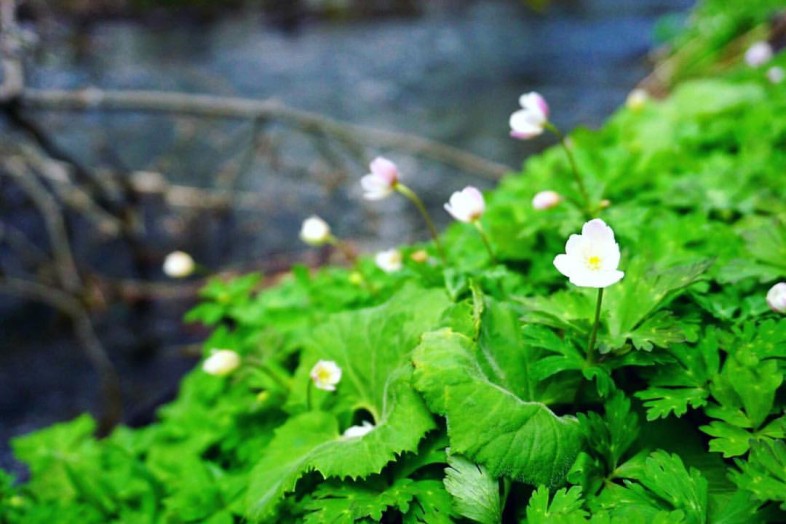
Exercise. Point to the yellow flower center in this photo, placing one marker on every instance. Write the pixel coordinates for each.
(594, 262)
(323, 375)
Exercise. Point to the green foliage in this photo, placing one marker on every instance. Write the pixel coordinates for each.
(487, 423)
(475, 493)
(485, 401)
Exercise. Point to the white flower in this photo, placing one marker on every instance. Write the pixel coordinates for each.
(315, 231)
(326, 374)
(546, 200)
(221, 362)
(466, 205)
(382, 180)
(529, 121)
(389, 261)
(776, 297)
(775, 74)
(758, 54)
(637, 99)
(178, 264)
(358, 431)
(591, 259)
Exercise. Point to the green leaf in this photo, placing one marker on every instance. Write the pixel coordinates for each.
(674, 486)
(488, 424)
(319, 445)
(764, 474)
(379, 383)
(286, 458)
(730, 440)
(475, 493)
(565, 507)
(662, 402)
(685, 383)
(632, 305)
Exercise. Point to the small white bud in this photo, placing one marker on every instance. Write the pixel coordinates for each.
(221, 362)
(775, 74)
(776, 297)
(315, 231)
(178, 264)
(358, 431)
(546, 200)
(389, 261)
(758, 54)
(637, 99)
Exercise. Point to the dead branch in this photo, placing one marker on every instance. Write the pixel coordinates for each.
(243, 108)
(110, 383)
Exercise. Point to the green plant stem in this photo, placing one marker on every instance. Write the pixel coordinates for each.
(574, 168)
(594, 335)
(407, 192)
(275, 375)
(308, 394)
(485, 239)
(348, 253)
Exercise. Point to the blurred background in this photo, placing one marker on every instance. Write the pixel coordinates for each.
(108, 163)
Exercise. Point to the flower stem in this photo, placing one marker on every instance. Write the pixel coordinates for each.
(308, 394)
(407, 192)
(574, 168)
(346, 250)
(591, 345)
(485, 239)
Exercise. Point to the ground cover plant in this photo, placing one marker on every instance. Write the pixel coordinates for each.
(600, 339)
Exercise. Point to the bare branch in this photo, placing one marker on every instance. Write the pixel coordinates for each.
(10, 46)
(53, 219)
(62, 301)
(243, 108)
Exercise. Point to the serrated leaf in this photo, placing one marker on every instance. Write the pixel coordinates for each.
(286, 458)
(565, 507)
(632, 305)
(730, 440)
(334, 503)
(675, 488)
(403, 423)
(475, 493)
(674, 388)
(764, 474)
(662, 402)
(379, 383)
(488, 424)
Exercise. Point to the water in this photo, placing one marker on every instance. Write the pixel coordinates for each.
(453, 75)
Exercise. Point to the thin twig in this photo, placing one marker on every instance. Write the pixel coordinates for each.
(62, 301)
(242, 108)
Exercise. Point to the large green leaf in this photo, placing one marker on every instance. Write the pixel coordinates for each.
(371, 346)
(487, 423)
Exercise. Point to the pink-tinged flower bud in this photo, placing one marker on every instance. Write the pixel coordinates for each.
(546, 200)
(221, 362)
(326, 374)
(758, 54)
(466, 205)
(389, 261)
(591, 258)
(776, 297)
(529, 121)
(178, 264)
(775, 74)
(382, 180)
(315, 231)
(637, 99)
